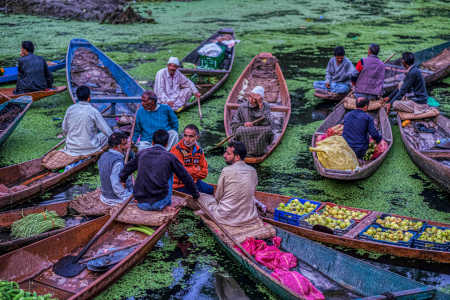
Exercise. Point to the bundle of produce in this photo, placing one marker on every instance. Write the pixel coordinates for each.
(317, 219)
(10, 290)
(35, 224)
(393, 236)
(188, 65)
(435, 235)
(370, 150)
(399, 223)
(342, 213)
(296, 207)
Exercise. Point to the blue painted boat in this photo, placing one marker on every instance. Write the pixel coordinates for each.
(10, 74)
(335, 274)
(24, 103)
(125, 99)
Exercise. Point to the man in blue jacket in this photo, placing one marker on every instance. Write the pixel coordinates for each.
(156, 166)
(358, 125)
(151, 117)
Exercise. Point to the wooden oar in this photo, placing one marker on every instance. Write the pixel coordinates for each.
(206, 211)
(131, 136)
(199, 109)
(108, 253)
(231, 136)
(389, 58)
(6, 96)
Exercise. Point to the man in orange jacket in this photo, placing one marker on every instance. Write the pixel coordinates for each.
(193, 159)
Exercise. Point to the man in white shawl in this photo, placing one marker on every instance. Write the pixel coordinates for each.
(84, 127)
(172, 87)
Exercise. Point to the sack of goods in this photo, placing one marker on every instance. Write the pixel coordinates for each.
(211, 50)
(334, 153)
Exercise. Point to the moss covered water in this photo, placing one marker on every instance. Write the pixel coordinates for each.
(302, 35)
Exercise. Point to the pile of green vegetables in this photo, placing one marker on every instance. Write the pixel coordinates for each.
(35, 224)
(199, 79)
(370, 150)
(9, 290)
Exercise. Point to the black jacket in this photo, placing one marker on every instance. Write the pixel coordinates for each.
(155, 166)
(33, 74)
(414, 83)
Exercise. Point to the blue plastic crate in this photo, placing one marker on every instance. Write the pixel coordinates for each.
(293, 219)
(303, 223)
(363, 236)
(430, 245)
(388, 215)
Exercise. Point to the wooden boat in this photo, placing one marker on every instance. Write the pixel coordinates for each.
(8, 93)
(10, 74)
(32, 266)
(24, 103)
(394, 72)
(207, 89)
(276, 94)
(336, 117)
(8, 243)
(124, 98)
(336, 275)
(420, 147)
(350, 239)
(34, 179)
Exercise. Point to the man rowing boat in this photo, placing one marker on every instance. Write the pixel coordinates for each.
(256, 137)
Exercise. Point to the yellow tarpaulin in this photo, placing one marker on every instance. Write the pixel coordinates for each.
(334, 153)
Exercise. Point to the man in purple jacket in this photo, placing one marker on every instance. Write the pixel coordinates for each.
(156, 166)
(369, 75)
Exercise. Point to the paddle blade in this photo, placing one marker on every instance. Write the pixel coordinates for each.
(68, 266)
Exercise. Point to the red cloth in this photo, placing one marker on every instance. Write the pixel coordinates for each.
(379, 149)
(359, 66)
(298, 283)
(279, 261)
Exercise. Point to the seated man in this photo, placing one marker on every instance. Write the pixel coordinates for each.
(413, 84)
(151, 117)
(156, 166)
(33, 73)
(192, 157)
(234, 203)
(84, 127)
(172, 87)
(338, 73)
(369, 75)
(357, 126)
(110, 165)
(255, 136)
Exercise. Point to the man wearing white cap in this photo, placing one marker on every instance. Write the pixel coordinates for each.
(172, 87)
(255, 136)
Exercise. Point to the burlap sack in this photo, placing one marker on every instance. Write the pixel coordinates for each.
(350, 103)
(89, 204)
(411, 116)
(58, 159)
(133, 215)
(258, 230)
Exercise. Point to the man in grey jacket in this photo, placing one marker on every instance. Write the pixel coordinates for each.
(33, 73)
(110, 165)
(338, 74)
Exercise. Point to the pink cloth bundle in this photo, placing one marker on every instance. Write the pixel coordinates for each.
(275, 259)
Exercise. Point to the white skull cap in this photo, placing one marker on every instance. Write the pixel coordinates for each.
(174, 60)
(258, 90)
